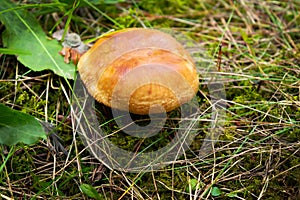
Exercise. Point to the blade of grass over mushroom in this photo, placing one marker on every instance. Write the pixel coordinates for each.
(24, 32)
(69, 13)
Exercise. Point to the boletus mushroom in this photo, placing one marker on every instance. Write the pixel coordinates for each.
(139, 70)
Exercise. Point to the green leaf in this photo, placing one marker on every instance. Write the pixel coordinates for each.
(24, 33)
(215, 191)
(17, 127)
(90, 191)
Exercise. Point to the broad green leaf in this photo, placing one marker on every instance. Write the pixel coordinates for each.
(24, 33)
(17, 127)
(90, 191)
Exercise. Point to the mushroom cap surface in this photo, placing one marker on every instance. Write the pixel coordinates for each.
(139, 70)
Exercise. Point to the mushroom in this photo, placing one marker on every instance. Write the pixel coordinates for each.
(139, 70)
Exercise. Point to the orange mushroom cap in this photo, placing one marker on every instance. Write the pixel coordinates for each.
(139, 70)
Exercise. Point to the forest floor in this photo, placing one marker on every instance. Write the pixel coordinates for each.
(252, 47)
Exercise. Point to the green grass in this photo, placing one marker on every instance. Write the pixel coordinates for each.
(257, 156)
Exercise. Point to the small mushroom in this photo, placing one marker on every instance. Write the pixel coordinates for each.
(73, 47)
(139, 70)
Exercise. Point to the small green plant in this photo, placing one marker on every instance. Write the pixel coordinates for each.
(215, 191)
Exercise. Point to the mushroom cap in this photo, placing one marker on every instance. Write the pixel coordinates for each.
(139, 70)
